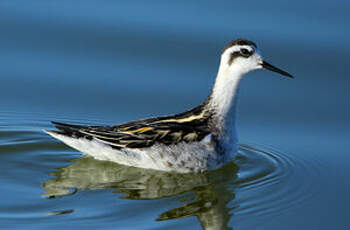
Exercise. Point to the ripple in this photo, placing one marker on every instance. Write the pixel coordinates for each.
(270, 181)
(261, 182)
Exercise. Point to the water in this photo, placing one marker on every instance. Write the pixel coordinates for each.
(92, 62)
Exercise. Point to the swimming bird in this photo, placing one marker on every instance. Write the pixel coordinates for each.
(203, 138)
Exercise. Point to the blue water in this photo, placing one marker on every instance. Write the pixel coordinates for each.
(106, 62)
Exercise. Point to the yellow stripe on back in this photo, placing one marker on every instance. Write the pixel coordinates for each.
(140, 130)
(185, 119)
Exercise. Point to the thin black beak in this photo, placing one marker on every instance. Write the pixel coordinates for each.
(268, 66)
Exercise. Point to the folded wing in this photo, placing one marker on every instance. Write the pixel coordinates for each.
(139, 134)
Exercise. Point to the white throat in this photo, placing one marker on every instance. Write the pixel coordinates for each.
(223, 102)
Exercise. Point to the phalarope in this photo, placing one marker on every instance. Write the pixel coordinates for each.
(200, 139)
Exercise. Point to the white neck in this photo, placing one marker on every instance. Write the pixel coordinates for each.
(224, 100)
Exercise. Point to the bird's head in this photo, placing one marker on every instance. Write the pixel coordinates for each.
(241, 56)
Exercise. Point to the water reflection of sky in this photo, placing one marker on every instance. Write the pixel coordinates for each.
(122, 61)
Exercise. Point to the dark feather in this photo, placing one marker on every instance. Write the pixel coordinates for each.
(185, 127)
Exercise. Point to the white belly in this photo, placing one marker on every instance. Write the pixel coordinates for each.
(182, 157)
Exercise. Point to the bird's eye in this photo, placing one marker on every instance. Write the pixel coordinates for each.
(245, 52)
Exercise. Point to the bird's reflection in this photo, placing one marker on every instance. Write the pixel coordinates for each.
(213, 190)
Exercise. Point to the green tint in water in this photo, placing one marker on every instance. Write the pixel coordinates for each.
(51, 183)
(97, 63)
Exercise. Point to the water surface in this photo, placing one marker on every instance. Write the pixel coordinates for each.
(50, 181)
(93, 62)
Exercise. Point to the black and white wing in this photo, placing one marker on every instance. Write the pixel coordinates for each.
(187, 127)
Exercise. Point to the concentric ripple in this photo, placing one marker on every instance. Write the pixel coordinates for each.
(261, 182)
(270, 181)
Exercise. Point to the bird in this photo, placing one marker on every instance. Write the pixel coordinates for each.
(195, 141)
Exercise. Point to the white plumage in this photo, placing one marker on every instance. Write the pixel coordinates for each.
(204, 138)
